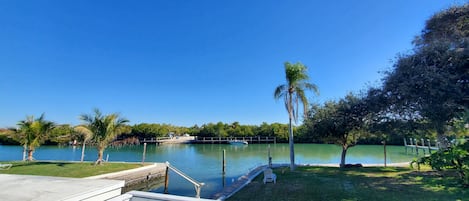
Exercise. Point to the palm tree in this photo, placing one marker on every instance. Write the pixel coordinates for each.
(86, 135)
(102, 128)
(32, 133)
(293, 93)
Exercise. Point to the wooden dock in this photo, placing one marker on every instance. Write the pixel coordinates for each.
(414, 145)
(226, 140)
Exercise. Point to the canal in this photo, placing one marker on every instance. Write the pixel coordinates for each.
(203, 162)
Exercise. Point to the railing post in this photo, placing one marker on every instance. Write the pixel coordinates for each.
(411, 144)
(423, 145)
(416, 146)
(429, 146)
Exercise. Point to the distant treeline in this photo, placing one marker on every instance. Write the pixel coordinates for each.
(64, 134)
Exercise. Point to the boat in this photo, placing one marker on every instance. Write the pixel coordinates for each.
(238, 142)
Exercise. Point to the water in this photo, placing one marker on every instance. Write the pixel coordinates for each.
(204, 162)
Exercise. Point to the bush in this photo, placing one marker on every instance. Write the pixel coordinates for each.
(453, 158)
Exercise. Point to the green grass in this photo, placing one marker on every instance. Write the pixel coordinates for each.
(66, 169)
(328, 183)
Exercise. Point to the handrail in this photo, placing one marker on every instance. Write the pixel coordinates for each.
(197, 185)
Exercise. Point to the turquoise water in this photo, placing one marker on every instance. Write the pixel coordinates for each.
(203, 162)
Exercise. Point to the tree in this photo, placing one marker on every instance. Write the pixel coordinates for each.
(293, 93)
(103, 128)
(339, 122)
(85, 134)
(432, 83)
(32, 133)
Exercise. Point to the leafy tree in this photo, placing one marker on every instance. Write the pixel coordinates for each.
(432, 83)
(61, 134)
(103, 128)
(339, 122)
(293, 93)
(32, 133)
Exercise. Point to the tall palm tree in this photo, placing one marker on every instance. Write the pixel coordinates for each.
(102, 128)
(32, 133)
(293, 93)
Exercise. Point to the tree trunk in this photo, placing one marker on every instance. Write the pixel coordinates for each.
(100, 156)
(342, 157)
(292, 150)
(83, 151)
(30, 154)
(24, 152)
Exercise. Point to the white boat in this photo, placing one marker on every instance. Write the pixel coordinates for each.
(238, 142)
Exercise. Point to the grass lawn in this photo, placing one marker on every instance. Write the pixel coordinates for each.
(66, 169)
(329, 183)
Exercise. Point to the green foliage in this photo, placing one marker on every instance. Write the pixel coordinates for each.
(103, 129)
(62, 134)
(453, 158)
(430, 85)
(293, 92)
(339, 122)
(31, 133)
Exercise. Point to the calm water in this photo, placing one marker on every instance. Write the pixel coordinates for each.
(203, 162)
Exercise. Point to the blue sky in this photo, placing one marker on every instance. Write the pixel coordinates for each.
(186, 62)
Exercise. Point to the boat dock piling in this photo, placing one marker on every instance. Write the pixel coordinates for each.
(414, 145)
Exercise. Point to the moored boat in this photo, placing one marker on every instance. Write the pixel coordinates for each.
(238, 142)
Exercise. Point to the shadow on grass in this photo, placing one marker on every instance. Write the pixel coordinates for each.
(329, 183)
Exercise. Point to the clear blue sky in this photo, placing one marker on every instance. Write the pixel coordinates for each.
(186, 62)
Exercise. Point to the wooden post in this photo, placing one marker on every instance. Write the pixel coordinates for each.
(429, 146)
(223, 162)
(166, 180)
(144, 152)
(423, 145)
(384, 143)
(405, 144)
(416, 146)
(411, 144)
(270, 157)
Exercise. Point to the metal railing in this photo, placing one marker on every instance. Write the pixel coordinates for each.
(197, 185)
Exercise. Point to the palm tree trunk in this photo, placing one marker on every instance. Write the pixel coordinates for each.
(24, 152)
(292, 150)
(100, 156)
(83, 151)
(30, 154)
(342, 157)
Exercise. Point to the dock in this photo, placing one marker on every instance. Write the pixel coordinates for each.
(414, 145)
(226, 140)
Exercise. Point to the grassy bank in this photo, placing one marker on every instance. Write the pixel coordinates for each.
(328, 183)
(66, 169)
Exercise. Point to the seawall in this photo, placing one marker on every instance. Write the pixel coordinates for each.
(137, 175)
